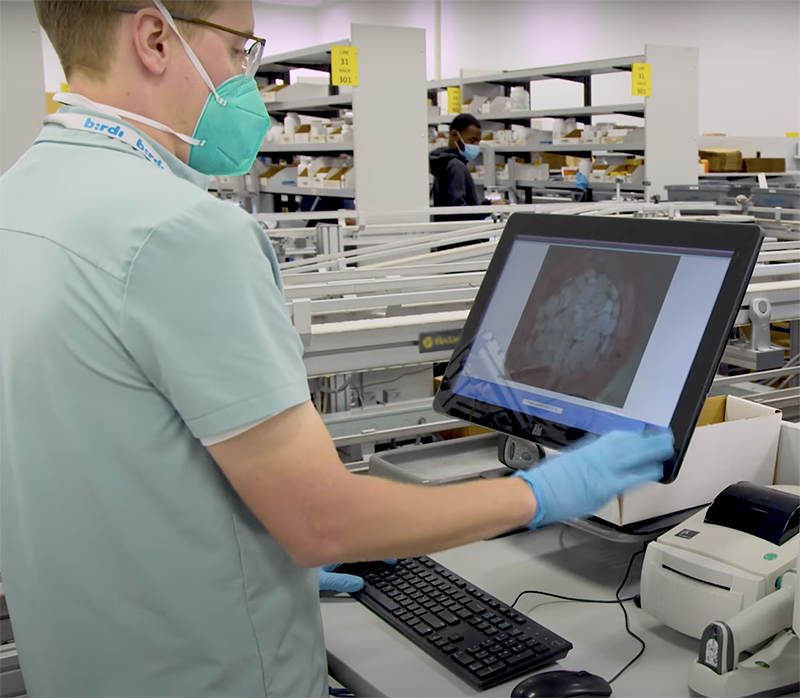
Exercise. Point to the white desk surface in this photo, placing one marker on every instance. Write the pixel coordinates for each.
(371, 659)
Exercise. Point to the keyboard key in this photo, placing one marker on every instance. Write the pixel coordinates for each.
(519, 620)
(464, 614)
(447, 617)
(500, 637)
(420, 611)
(483, 625)
(429, 603)
(503, 626)
(389, 604)
(489, 632)
(474, 621)
(475, 666)
(504, 654)
(530, 644)
(514, 632)
(487, 615)
(434, 638)
(399, 611)
(448, 649)
(462, 658)
(509, 643)
(474, 649)
(470, 590)
(516, 649)
(452, 605)
(422, 629)
(497, 622)
(460, 583)
(481, 655)
(455, 638)
(475, 607)
(433, 621)
(437, 608)
(515, 659)
(406, 617)
(494, 649)
(402, 599)
(491, 659)
(491, 671)
(492, 604)
(441, 598)
(441, 642)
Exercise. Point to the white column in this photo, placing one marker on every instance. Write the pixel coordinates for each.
(22, 106)
(671, 118)
(390, 119)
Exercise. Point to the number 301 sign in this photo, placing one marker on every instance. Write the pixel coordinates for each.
(344, 65)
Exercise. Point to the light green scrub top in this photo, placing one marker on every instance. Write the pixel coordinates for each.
(140, 314)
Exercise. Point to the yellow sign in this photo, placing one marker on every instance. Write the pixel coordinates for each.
(344, 65)
(793, 134)
(453, 100)
(640, 80)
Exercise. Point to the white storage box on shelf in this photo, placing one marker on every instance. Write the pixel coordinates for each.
(297, 90)
(735, 440)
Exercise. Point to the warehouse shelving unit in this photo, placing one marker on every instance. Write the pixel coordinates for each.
(391, 71)
(670, 114)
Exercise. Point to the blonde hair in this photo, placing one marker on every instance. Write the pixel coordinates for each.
(83, 32)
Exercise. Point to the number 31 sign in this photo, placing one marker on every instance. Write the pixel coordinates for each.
(344, 65)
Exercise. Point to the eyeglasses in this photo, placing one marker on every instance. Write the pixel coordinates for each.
(253, 50)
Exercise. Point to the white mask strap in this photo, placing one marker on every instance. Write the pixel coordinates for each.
(189, 52)
(75, 100)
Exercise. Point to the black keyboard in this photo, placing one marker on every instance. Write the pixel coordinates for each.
(476, 636)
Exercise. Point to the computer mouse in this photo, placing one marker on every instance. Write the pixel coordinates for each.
(561, 684)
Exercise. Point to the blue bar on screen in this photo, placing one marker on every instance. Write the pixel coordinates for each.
(546, 407)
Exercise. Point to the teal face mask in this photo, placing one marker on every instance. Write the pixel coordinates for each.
(229, 133)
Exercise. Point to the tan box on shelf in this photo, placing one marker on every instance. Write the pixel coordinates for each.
(280, 175)
(573, 136)
(763, 165)
(735, 440)
(340, 178)
(320, 176)
(303, 134)
(598, 173)
(722, 159)
(271, 93)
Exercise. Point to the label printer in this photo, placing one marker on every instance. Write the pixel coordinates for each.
(723, 558)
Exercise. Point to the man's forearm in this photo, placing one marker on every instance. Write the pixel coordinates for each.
(378, 518)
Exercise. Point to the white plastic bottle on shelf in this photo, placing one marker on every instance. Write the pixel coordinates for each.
(520, 99)
(291, 123)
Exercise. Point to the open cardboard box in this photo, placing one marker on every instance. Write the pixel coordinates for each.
(734, 440)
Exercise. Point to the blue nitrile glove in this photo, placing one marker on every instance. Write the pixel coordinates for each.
(577, 483)
(341, 583)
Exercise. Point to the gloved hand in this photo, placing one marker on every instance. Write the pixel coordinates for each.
(341, 583)
(577, 483)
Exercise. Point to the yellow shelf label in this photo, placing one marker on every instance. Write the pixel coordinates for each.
(793, 134)
(453, 100)
(640, 80)
(344, 65)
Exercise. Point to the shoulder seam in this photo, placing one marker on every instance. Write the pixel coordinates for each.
(70, 251)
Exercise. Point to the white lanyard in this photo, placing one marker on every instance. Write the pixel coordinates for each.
(112, 129)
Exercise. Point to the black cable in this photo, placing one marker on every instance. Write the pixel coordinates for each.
(627, 622)
(616, 600)
(567, 598)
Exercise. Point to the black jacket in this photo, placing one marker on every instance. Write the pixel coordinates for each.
(452, 184)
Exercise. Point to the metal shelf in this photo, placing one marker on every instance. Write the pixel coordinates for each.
(301, 148)
(731, 175)
(311, 58)
(567, 71)
(627, 109)
(571, 148)
(599, 186)
(313, 191)
(312, 104)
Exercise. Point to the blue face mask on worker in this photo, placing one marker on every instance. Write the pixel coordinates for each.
(231, 127)
(469, 151)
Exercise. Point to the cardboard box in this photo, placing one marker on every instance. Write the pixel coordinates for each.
(340, 178)
(280, 175)
(303, 134)
(573, 136)
(735, 440)
(763, 165)
(722, 159)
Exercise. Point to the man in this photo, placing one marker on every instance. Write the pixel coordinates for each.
(452, 181)
(167, 486)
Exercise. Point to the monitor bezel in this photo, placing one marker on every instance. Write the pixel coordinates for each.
(742, 240)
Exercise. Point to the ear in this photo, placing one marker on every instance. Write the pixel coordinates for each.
(150, 34)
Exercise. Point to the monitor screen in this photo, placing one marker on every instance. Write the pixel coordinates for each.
(595, 325)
